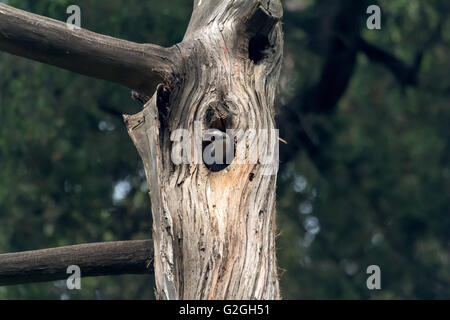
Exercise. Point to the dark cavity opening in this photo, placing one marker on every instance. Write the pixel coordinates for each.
(257, 48)
(162, 103)
(218, 118)
(163, 97)
(222, 141)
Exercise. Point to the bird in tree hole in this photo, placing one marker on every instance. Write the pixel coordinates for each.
(218, 150)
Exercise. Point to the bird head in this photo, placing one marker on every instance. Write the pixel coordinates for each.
(212, 135)
(218, 146)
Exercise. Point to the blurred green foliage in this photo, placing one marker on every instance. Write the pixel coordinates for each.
(378, 194)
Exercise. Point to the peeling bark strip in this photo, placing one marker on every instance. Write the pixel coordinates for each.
(214, 232)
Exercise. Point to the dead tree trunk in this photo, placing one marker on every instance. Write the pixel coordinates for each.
(213, 232)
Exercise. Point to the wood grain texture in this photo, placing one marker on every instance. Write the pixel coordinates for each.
(214, 232)
(96, 259)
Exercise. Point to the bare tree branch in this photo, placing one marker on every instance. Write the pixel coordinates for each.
(136, 66)
(405, 74)
(96, 259)
(343, 43)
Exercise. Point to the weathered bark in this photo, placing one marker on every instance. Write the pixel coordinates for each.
(94, 259)
(214, 232)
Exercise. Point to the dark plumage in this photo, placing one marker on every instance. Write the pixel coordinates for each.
(217, 148)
